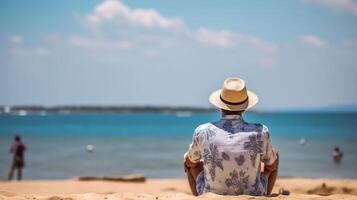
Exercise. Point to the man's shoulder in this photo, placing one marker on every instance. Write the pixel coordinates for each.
(256, 127)
(203, 128)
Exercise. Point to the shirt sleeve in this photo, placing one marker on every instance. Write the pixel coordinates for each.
(269, 155)
(195, 149)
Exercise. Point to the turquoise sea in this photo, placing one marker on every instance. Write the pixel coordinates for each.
(153, 144)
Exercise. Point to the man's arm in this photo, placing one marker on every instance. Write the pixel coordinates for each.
(271, 171)
(192, 170)
(193, 155)
(269, 168)
(270, 158)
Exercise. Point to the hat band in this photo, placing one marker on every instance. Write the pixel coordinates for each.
(233, 103)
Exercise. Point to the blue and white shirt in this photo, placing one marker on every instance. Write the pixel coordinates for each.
(232, 151)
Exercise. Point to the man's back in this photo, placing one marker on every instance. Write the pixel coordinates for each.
(18, 149)
(232, 151)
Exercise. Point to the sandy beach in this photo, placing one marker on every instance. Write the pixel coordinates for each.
(299, 188)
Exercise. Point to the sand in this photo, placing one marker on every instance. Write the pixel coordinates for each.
(300, 188)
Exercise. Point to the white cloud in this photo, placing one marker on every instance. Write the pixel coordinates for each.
(113, 25)
(312, 40)
(117, 16)
(221, 38)
(349, 6)
(116, 11)
(16, 39)
(84, 42)
(226, 38)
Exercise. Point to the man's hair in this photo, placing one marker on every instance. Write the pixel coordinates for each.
(229, 112)
(17, 138)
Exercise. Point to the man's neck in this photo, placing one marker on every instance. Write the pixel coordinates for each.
(232, 116)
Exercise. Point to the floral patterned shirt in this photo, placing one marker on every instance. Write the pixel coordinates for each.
(232, 151)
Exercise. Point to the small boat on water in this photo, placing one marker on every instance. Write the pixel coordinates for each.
(22, 113)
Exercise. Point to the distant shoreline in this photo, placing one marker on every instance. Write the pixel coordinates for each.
(102, 109)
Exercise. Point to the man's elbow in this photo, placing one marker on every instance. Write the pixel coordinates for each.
(189, 163)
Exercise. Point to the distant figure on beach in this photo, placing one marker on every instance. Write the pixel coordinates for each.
(231, 156)
(337, 155)
(90, 148)
(18, 162)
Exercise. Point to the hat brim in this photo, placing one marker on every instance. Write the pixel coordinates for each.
(215, 100)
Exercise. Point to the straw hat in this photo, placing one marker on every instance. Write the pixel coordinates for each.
(233, 96)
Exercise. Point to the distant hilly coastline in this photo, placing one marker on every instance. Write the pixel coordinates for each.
(99, 109)
(325, 109)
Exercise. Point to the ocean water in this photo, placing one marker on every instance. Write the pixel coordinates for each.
(153, 144)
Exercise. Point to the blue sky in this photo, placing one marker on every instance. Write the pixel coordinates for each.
(293, 54)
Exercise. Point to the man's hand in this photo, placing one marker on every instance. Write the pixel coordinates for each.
(269, 168)
(187, 163)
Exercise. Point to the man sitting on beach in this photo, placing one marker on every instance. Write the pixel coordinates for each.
(231, 156)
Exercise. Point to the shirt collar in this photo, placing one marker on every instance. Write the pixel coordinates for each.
(239, 117)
